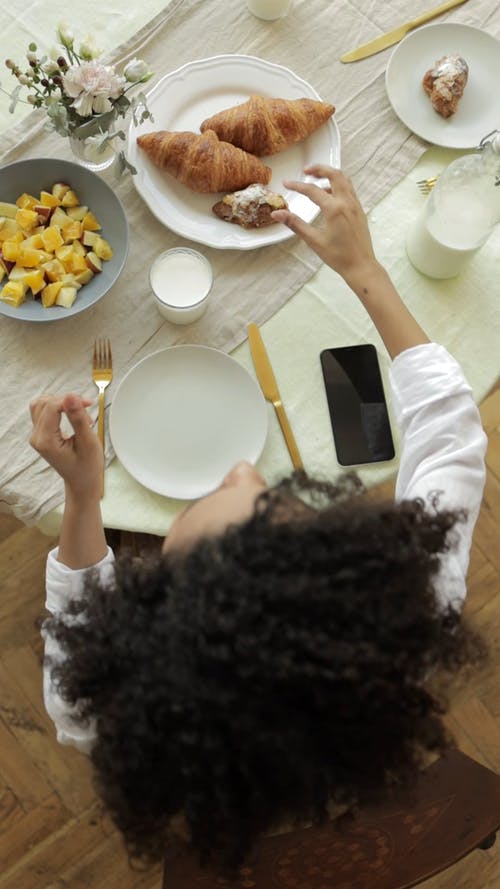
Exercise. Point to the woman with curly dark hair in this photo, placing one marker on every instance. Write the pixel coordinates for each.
(276, 659)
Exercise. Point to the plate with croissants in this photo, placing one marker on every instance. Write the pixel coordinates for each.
(227, 131)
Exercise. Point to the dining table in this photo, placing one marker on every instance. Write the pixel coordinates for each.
(300, 304)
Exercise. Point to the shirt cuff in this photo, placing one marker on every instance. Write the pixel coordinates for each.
(64, 584)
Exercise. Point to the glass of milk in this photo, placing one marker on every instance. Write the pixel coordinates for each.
(269, 9)
(181, 280)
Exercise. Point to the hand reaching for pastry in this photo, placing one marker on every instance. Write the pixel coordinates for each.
(343, 241)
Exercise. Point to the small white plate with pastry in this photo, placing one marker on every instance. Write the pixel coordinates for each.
(460, 105)
(186, 98)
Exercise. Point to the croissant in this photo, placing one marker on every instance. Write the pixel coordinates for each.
(250, 208)
(445, 83)
(265, 126)
(203, 163)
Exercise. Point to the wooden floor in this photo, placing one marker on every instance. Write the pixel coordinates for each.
(53, 833)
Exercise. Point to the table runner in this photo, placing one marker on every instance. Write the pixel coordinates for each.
(249, 286)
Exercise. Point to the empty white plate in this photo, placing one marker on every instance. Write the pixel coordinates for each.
(182, 417)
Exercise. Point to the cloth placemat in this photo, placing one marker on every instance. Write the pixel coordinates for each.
(377, 151)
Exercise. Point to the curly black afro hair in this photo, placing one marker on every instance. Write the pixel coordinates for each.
(266, 673)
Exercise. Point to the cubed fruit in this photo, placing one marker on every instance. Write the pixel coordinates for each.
(54, 270)
(27, 219)
(14, 293)
(26, 201)
(59, 189)
(49, 200)
(18, 273)
(84, 277)
(93, 262)
(8, 228)
(77, 212)
(89, 238)
(70, 280)
(70, 199)
(59, 217)
(35, 281)
(103, 249)
(71, 230)
(79, 248)
(43, 213)
(64, 254)
(10, 250)
(5, 264)
(90, 223)
(49, 293)
(34, 241)
(52, 238)
(29, 257)
(66, 297)
(8, 210)
(77, 263)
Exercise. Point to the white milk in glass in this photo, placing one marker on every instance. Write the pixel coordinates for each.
(461, 212)
(441, 242)
(181, 280)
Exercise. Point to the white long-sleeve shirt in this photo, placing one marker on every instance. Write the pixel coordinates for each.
(443, 447)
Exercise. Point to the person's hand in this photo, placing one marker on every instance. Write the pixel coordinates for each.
(344, 241)
(79, 458)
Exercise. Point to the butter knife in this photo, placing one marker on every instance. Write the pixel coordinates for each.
(270, 389)
(385, 40)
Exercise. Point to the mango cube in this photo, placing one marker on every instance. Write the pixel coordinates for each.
(54, 269)
(71, 230)
(52, 238)
(49, 294)
(14, 293)
(70, 199)
(27, 219)
(35, 281)
(10, 250)
(29, 257)
(8, 229)
(102, 249)
(26, 201)
(90, 223)
(49, 200)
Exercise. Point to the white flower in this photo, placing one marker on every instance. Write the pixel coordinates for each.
(88, 48)
(31, 56)
(50, 67)
(92, 85)
(65, 34)
(136, 71)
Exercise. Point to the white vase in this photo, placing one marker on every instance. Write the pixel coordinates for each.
(90, 155)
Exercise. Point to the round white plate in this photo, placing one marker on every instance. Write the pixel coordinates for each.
(182, 417)
(181, 101)
(478, 112)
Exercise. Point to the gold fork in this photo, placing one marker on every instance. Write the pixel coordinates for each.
(102, 374)
(426, 185)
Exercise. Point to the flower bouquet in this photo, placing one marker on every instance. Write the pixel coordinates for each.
(83, 97)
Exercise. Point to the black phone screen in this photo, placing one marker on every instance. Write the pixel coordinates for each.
(357, 405)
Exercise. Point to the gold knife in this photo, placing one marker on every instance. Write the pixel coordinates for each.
(380, 43)
(270, 389)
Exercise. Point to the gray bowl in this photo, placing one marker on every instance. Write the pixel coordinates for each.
(41, 173)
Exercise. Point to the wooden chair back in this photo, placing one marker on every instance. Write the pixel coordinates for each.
(454, 808)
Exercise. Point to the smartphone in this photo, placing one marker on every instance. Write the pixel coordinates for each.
(357, 405)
